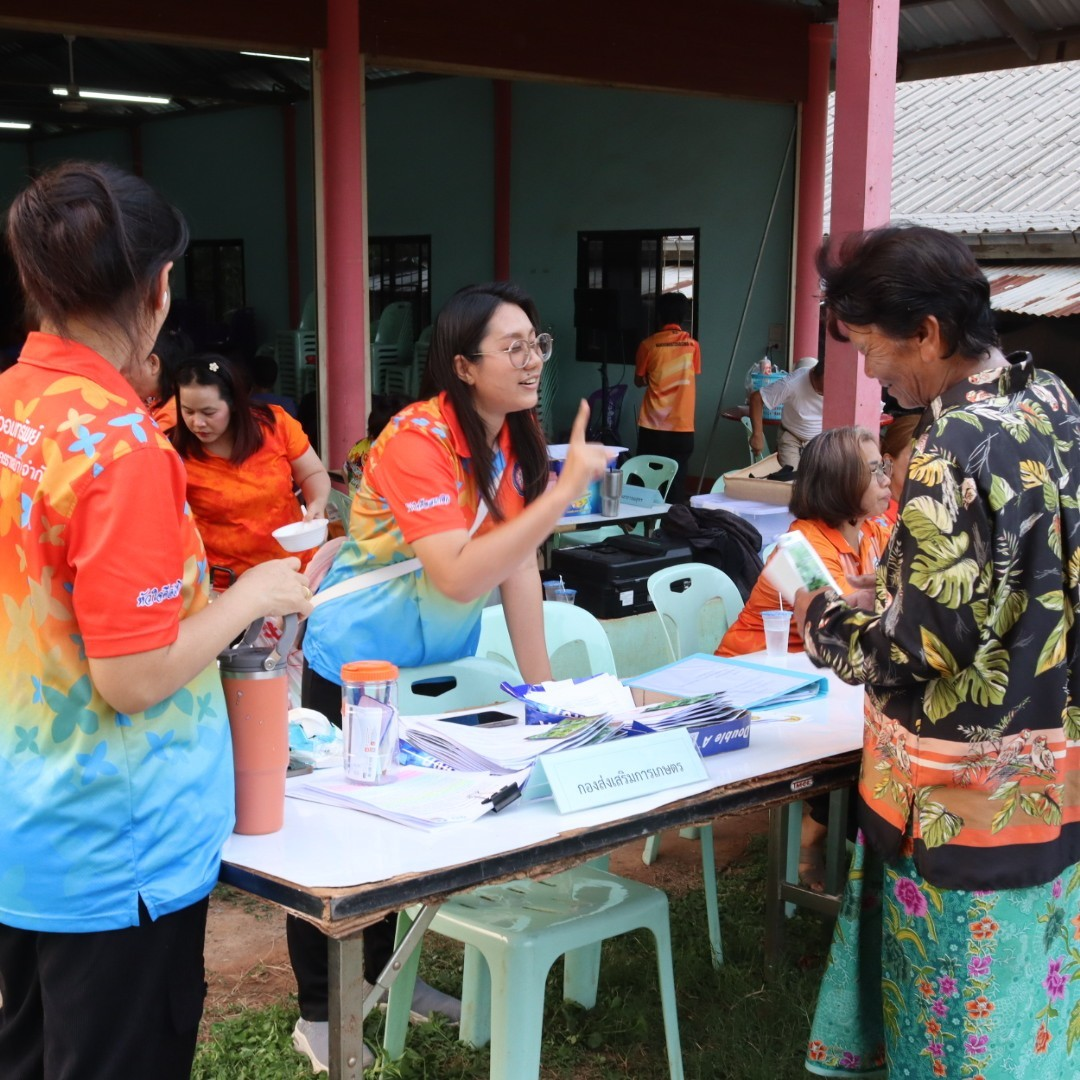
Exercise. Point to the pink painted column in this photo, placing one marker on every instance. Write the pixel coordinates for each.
(343, 334)
(867, 33)
(815, 118)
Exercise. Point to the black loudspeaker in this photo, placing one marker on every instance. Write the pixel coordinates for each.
(607, 310)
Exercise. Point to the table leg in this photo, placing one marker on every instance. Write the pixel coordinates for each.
(779, 890)
(775, 872)
(347, 1007)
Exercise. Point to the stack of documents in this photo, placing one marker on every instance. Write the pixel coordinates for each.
(576, 697)
(745, 684)
(695, 712)
(421, 798)
(474, 749)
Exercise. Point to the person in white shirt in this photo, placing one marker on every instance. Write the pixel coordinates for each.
(800, 397)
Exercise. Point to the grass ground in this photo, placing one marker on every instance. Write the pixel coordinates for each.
(734, 1023)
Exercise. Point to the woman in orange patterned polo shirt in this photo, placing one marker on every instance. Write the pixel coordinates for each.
(244, 463)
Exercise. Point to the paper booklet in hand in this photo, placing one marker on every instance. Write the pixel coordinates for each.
(796, 565)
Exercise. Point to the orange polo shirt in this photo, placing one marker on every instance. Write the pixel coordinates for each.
(164, 414)
(747, 633)
(237, 507)
(669, 361)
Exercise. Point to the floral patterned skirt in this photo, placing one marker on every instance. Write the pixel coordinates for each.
(979, 985)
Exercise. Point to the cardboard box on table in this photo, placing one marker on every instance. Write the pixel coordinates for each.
(751, 483)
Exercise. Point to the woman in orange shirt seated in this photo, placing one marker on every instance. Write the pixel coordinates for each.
(840, 492)
(244, 463)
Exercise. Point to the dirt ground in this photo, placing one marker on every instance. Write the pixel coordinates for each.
(247, 963)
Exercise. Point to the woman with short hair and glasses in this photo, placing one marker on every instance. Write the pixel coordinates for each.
(838, 498)
(460, 482)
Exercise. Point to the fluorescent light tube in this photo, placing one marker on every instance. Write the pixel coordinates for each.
(276, 56)
(111, 95)
(18, 125)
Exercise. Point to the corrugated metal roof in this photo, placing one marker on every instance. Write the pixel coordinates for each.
(993, 152)
(1035, 288)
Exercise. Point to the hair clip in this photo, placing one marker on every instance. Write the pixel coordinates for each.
(213, 365)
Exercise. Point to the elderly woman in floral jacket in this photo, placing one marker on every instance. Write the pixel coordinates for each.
(956, 952)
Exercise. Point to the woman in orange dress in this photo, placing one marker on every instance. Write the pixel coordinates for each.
(245, 462)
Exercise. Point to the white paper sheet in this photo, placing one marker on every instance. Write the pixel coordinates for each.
(745, 684)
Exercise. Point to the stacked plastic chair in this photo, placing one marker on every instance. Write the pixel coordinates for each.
(297, 354)
(392, 350)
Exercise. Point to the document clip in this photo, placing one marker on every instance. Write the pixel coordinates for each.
(503, 797)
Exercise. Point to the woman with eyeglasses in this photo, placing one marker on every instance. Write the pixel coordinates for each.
(840, 493)
(245, 461)
(459, 482)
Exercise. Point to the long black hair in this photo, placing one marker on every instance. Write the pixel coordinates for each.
(249, 420)
(459, 330)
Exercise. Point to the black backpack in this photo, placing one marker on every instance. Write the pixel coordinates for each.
(720, 539)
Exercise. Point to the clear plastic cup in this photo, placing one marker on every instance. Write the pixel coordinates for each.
(369, 721)
(777, 632)
(566, 596)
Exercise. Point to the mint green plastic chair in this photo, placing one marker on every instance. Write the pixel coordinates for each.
(755, 455)
(341, 504)
(697, 603)
(653, 471)
(512, 934)
(569, 631)
(457, 684)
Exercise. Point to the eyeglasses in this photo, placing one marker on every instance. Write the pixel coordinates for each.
(882, 471)
(520, 351)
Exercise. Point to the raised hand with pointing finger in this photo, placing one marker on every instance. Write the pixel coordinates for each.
(585, 461)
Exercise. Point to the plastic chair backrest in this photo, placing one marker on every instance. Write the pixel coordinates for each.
(652, 470)
(341, 502)
(309, 316)
(457, 684)
(755, 456)
(396, 327)
(576, 641)
(697, 604)
(718, 486)
(420, 349)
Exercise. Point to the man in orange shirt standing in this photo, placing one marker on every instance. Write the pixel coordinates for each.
(667, 364)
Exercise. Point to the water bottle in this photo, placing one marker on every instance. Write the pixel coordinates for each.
(255, 680)
(369, 720)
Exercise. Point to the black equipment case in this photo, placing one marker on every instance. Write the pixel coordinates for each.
(610, 577)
